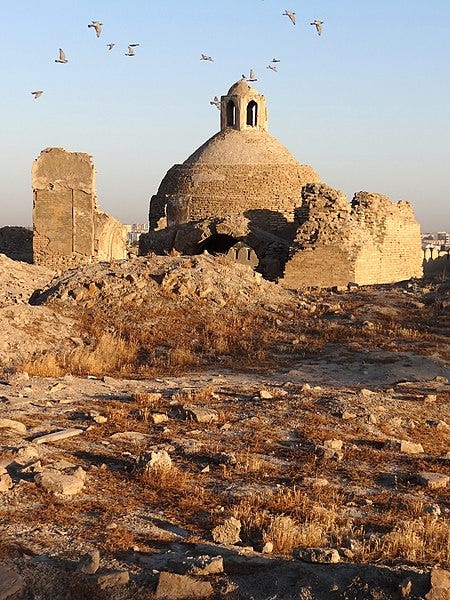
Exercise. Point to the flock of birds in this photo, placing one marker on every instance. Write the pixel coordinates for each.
(272, 65)
(97, 26)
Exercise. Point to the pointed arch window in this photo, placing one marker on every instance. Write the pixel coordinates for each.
(252, 113)
(231, 114)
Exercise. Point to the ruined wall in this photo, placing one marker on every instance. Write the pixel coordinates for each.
(368, 242)
(68, 227)
(266, 194)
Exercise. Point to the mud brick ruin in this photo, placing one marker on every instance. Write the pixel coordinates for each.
(68, 226)
(242, 186)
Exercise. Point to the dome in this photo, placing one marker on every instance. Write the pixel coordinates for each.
(250, 147)
(241, 88)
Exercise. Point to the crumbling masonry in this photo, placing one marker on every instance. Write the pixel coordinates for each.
(243, 187)
(68, 226)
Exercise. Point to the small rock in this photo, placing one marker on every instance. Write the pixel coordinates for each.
(430, 398)
(405, 588)
(366, 393)
(90, 563)
(347, 416)
(112, 579)
(267, 548)
(5, 482)
(57, 435)
(133, 437)
(10, 582)
(317, 555)
(316, 481)
(227, 533)
(410, 447)
(265, 395)
(159, 418)
(433, 481)
(333, 444)
(181, 587)
(14, 425)
(440, 585)
(59, 483)
(201, 414)
(206, 565)
(154, 461)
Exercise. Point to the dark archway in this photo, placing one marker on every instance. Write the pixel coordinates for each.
(231, 114)
(252, 113)
(218, 243)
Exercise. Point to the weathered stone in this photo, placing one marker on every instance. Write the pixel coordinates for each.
(181, 587)
(333, 444)
(59, 483)
(265, 394)
(316, 481)
(155, 461)
(440, 585)
(433, 481)
(228, 533)
(410, 447)
(68, 226)
(206, 565)
(57, 435)
(113, 579)
(11, 583)
(158, 418)
(90, 563)
(133, 437)
(5, 482)
(317, 555)
(201, 414)
(14, 425)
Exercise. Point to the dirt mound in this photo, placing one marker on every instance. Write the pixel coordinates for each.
(18, 280)
(142, 279)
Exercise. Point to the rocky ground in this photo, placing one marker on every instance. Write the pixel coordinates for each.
(317, 468)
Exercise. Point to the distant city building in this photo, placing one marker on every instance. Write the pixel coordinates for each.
(437, 239)
(134, 232)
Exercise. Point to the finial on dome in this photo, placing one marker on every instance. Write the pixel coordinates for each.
(243, 108)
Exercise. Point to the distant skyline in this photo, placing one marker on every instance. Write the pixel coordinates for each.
(367, 104)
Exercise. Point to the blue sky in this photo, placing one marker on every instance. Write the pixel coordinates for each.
(367, 104)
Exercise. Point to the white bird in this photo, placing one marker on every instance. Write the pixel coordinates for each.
(37, 94)
(206, 57)
(62, 57)
(318, 25)
(97, 26)
(215, 102)
(110, 46)
(252, 76)
(272, 68)
(274, 60)
(130, 51)
(291, 15)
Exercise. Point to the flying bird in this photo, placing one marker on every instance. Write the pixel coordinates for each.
(37, 94)
(274, 60)
(97, 26)
(110, 46)
(318, 25)
(62, 57)
(215, 102)
(205, 57)
(252, 76)
(130, 50)
(272, 68)
(133, 45)
(291, 15)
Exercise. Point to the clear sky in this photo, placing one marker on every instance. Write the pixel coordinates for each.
(367, 104)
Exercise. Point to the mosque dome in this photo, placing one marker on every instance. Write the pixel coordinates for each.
(241, 170)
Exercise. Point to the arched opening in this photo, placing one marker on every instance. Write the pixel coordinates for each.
(252, 113)
(231, 114)
(218, 243)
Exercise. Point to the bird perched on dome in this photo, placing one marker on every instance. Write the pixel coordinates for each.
(252, 76)
(97, 26)
(62, 57)
(318, 25)
(291, 15)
